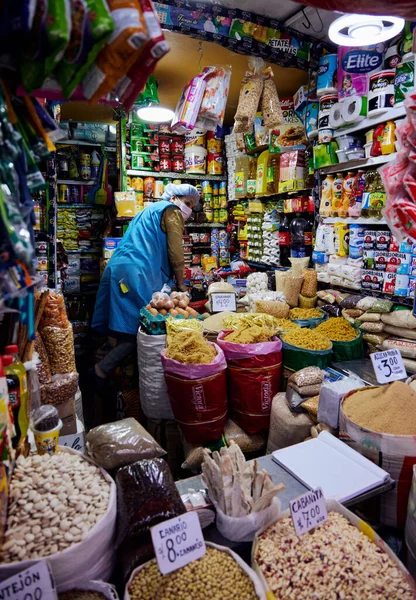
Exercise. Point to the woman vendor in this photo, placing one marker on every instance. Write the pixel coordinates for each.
(147, 257)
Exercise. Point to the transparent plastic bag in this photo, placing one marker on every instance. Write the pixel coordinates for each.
(212, 109)
(61, 389)
(307, 376)
(121, 443)
(250, 93)
(42, 364)
(270, 104)
(54, 313)
(59, 344)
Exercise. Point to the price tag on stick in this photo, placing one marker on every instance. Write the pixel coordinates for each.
(388, 366)
(34, 582)
(308, 511)
(178, 542)
(221, 302)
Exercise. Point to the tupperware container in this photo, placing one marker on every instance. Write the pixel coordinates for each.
(345, 142)
(342, 156)
(355, 153)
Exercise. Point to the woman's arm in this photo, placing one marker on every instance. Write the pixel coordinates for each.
(173, 225)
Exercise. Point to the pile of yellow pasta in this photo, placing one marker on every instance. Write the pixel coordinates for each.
(251, 335)
(338, 330)
(305, 313)
(307, 339)
(244, 320)
(190, 347)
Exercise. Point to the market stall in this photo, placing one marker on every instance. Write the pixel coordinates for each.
(207, 323)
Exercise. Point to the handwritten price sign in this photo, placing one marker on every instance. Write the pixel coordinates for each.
(308, 511)
(178, 542)
(388, 366)
(221, 302)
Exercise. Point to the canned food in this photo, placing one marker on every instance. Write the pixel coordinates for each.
(159, 188)
(178, 164)
(165, 164)
(63, 193)
(137, 184)
(75, 194)
(215, 189)
(164, 146)
(177, 181)
(149, 187)
(177, 145)
(206, 187)
(215, 163)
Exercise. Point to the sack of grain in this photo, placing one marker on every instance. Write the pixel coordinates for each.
(310, 283)
(410, 529)
(154, 397)
(400, 318)
(400, 332)
(254, 377)
(286, 427)
(391, 408)
(407, 348)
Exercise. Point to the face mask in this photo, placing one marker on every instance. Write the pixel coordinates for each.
(185, 210)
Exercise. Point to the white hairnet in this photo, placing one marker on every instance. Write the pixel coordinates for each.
(184, 189)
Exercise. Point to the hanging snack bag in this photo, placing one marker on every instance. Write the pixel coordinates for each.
(49, 25)
(250, 93)
(91, 27)
(154, 49)
(188, 105)
(212, 109)
(270, 104)
(121, 50)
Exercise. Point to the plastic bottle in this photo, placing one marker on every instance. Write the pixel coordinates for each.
(13, 390)
(241, 172)
(325, 206)
(308, 233)
(261, 177)
(354, 209)
(284, 242)
(17, 367)
(377, 194)
(251, 177)
(347, 194)
(337, 194)
(273, 173)
(297, 231)
(389, 137)
(5, 412)
(95, 164)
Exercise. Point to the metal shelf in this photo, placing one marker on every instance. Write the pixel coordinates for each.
(352, 165)
(75, 182)
(85, 143)
(403, 300)
(352, 220)
(169, 175)
(368, 122)
(81, 205)
(205, 225)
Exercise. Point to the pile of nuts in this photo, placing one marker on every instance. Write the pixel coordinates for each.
(334, 561)
(216, 576)
(54, 501)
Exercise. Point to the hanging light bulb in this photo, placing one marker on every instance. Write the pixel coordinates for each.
(155, 113)
(363, 30)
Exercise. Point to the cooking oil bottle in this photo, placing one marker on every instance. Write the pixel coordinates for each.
(251, 178)
(273, 173)
(241, 172)
(261, 179)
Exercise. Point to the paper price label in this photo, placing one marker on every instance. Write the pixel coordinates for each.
(388, 366)
(308, 511)
(221, 302)
(34, 583)
(178, 542)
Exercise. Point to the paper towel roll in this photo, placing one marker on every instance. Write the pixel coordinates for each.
(325, 105)
(335, 116)
(354, 109)
(381, 92)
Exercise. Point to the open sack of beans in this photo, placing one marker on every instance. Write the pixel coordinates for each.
(254, 360)
(90, 590)
(221, 570)
(195, 374)
(61, 508)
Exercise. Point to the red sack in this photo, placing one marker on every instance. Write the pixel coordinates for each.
(198, 397)
(254, 378)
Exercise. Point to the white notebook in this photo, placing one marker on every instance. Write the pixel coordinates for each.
(326, 462)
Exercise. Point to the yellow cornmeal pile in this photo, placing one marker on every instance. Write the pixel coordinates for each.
(215, 576)
(386, 409)
(190, 347)
(252, 335)
(305, 313)
(307, 339)
(338, 330)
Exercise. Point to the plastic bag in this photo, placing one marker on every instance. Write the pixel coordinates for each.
(286, 427)
(121, 50)
(121, 443)
(212, 110)
(254, 373)
(243, 529)
(188, 106)
(198, 397)
(42, 364)
(59, 344)
(61, 389)
(54, 313)
(270, 104)
(306, 377)
(400, 318)
(331, 310)
(91, 27)
(280, 310)
(331, 395)
(146, 495)
(250, 93)
(292, 289)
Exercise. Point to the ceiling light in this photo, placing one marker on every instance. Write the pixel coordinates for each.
(363, 30)
(155, 114)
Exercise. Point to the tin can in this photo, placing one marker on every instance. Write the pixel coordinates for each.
(164, 145)
(165, 163)
(223, 188)
(149, 187)
(215, 189)
(215, 163)
(178, 164)
(63, 193)
(206, 187)
(159, 188)
(177, 145)
(75, 194)
(177, 181)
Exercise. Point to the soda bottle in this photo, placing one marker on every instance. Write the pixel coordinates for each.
(297, 231)
(308, 233)
(284, 242)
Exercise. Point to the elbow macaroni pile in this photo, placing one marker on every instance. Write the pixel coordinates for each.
(308, 339)
(337, 330)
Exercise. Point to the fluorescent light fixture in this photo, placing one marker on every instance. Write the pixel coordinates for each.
(155, 114)
(363, 30)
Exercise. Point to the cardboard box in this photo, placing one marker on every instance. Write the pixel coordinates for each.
(110, 244)
(76, 440)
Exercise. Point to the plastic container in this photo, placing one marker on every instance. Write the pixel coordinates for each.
(342, 156)
(196, 137)
(355, 153)
(195, 160)
(345, 142)
(47, 441)
(369, 136)
(367, 149)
